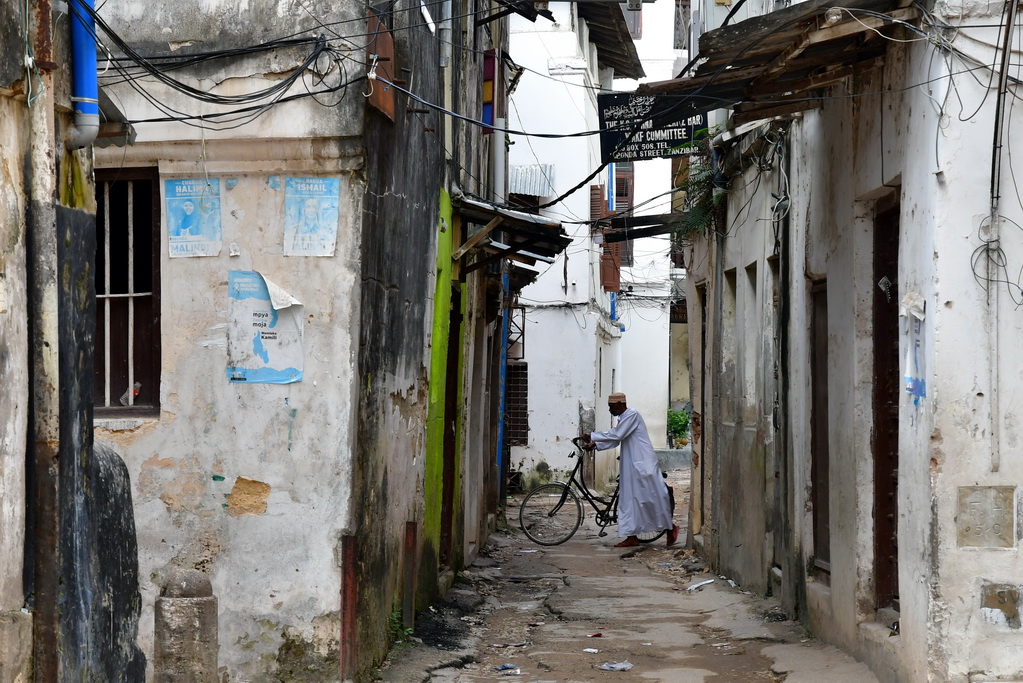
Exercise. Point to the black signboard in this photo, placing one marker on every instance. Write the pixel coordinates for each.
(660, 135)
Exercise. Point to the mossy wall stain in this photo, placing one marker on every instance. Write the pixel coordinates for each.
(299, 659)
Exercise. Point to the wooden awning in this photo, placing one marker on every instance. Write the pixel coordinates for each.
(775, 64)
(610, 34)
(529, 242)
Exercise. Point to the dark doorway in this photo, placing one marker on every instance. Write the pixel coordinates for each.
(447, 510)
(820, 454)
(886, 407)
(699, 445)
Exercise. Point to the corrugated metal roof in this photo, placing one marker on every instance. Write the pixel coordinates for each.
(535, 180)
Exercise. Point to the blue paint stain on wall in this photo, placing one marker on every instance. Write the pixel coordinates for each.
(291, 424)
(231, 183)
(274, 182)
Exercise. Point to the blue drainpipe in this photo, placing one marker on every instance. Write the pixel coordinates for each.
(501, 388)
(84, 85)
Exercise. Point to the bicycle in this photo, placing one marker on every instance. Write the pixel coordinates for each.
(550, 514)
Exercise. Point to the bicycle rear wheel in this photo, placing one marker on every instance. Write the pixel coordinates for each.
(652, 536)
(550, 514)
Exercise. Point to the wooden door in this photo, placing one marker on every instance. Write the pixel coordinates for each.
(886, 408)
(820, 454)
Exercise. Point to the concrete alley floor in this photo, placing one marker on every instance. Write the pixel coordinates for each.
(530, 613)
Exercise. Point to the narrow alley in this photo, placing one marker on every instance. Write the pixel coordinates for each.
(586, 611)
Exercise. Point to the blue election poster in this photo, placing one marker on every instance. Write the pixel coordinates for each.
(310, 216)
(264, 333)
(193, 216)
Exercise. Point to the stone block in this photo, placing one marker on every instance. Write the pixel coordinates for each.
(15, 646)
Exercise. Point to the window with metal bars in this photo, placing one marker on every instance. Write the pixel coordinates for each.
(516, 412)
(127, 357)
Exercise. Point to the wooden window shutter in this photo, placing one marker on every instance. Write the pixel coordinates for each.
(611, 254)
(598, 208)
(611, 267)
(625, 197)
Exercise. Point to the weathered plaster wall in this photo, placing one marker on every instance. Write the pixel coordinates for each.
(362, 427)
(185, 29)
(15, 626)
(741, 431)
(679, 390)
(231, 470)
(558, 392)
(645, 358)
(968, 433)
(481, 353)
(405, 217)
(957, 591)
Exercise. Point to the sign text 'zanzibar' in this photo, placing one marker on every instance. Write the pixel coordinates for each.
(657, 136)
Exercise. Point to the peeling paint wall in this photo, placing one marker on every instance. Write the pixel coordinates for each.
(229, 471)
(250, 483)
(15, 626)
(958, 511)
(339, 459)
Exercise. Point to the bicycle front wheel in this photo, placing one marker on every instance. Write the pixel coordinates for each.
(550, 514)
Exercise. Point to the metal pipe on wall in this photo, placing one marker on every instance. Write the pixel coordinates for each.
(84, 82)
(445, 34)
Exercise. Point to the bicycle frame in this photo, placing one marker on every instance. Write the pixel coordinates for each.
(605, 510)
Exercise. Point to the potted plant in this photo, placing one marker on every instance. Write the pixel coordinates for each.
(678, 427)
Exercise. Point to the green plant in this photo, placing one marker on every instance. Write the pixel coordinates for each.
(678, 424)
(703, 191)
(396, 631)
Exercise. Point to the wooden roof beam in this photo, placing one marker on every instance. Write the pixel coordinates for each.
(476, 238)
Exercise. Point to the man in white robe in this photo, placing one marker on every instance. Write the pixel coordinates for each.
(643, 503)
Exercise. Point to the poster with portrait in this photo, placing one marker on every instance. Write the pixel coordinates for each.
(310, 216)
(264, 332)
(193, 216)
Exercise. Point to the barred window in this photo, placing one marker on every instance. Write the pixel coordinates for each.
(127, 359)
(516, 414)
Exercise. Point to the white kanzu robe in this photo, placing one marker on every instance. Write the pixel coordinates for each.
(643, 504)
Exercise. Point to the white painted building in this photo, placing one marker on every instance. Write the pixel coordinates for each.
(583, 340)
(852, 312)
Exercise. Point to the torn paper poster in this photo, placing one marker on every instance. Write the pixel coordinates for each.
(264, 332)
(311, 216)
(193, 217)
(913, 310)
